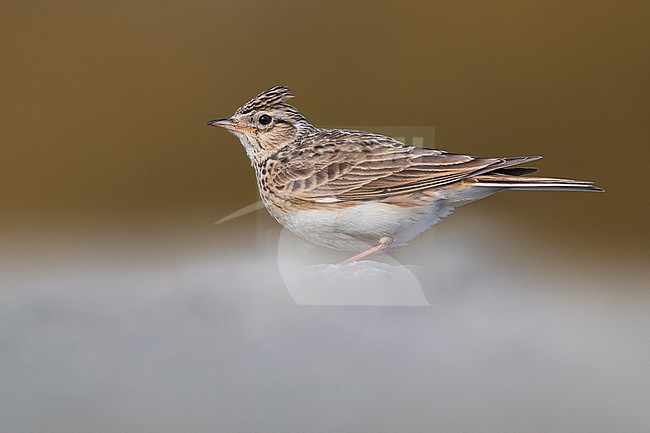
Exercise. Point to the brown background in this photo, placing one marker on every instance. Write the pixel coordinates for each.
(104, 103)
(123, 308)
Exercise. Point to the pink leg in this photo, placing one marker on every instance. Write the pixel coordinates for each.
(383, 243)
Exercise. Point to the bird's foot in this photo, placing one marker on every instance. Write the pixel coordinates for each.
(383, 244)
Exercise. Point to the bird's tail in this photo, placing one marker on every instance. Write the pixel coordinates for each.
(508, 181)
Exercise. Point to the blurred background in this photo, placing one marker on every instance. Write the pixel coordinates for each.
(124, 308)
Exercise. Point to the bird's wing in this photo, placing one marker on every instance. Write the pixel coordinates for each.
(335, 165)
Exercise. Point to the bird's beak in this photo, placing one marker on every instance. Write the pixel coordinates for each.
(225, 122)
(230, 124)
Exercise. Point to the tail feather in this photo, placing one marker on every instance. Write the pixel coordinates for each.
(516, 171)
(507, 181)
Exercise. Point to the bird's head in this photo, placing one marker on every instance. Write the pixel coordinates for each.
(266, 123)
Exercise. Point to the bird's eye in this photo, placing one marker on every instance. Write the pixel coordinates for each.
(265, 119)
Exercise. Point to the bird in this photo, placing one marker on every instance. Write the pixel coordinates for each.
(363, 192)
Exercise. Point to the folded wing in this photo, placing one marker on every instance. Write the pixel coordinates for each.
(335, 165)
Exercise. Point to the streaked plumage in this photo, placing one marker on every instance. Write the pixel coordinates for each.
(352, 190)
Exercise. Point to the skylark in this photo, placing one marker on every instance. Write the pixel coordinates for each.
(358, 191)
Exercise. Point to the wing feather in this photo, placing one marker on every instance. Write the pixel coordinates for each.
(357, 165)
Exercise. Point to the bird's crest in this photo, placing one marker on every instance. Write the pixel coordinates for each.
(271, 97)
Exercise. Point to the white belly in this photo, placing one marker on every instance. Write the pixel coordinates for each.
(359, 227)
